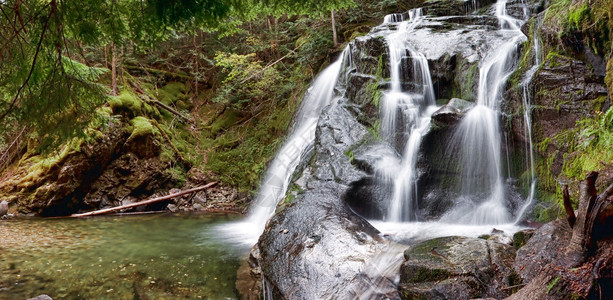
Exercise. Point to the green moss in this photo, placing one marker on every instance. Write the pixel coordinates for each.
(609, 76)
(594, 146)
(578, 15)
(126, 102)
(141, 127)
(349, 154)
(543, 145)
(223, 122)
(425, 274)
(553, 283)
(38, 165)
(172, 92)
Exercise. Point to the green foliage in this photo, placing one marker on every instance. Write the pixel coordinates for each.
(178, 174)
(556, 16)
(595, 146)
(171, 93)
(246, 78)
(41, 87)
(578, 15)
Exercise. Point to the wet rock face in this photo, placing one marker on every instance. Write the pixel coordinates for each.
(567, 90)
(452, 112)
(304, 247)
(457, 268)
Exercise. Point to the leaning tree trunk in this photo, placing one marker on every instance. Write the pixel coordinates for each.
(594, 216)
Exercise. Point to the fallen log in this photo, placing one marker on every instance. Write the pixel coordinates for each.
(145, 202)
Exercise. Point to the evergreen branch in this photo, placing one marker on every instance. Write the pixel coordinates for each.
(16, 33)
(40, 42)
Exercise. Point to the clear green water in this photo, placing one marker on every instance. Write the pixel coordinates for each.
(129, 257)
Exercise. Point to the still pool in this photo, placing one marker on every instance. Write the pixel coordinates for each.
(160, 256)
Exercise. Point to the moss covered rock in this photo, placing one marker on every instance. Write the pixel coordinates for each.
(126, 104)
(144, 138)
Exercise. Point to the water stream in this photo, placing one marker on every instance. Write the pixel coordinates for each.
(478, 136)
(160, 256)
(527, 115)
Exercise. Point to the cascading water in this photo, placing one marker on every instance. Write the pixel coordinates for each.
(527, 104)
(415, 108)
(478, 135)
(406, 112)
(296, 147)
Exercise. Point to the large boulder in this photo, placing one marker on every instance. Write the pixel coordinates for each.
(309, 238)
(457, 268)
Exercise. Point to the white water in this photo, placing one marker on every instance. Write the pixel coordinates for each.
(527, 104)
(478, 136)
(279, 173)
(413, 109)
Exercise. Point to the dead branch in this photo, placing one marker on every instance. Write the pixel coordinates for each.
(151, 201)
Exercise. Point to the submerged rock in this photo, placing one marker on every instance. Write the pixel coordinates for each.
(41, 297)
(457, 268)
(4, 208)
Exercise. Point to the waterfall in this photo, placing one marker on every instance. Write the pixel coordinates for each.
(478, 136)
(527, 115)
(296, 147)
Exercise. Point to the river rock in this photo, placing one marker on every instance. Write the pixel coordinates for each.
(41, 297)
(172, 207)
(456, 268)
(4, 208)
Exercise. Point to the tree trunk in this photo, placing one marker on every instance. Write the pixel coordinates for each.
(570, 213)
(592, 211)
(196, 52)
(106, 55)
(334, 34)
(113, 70)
